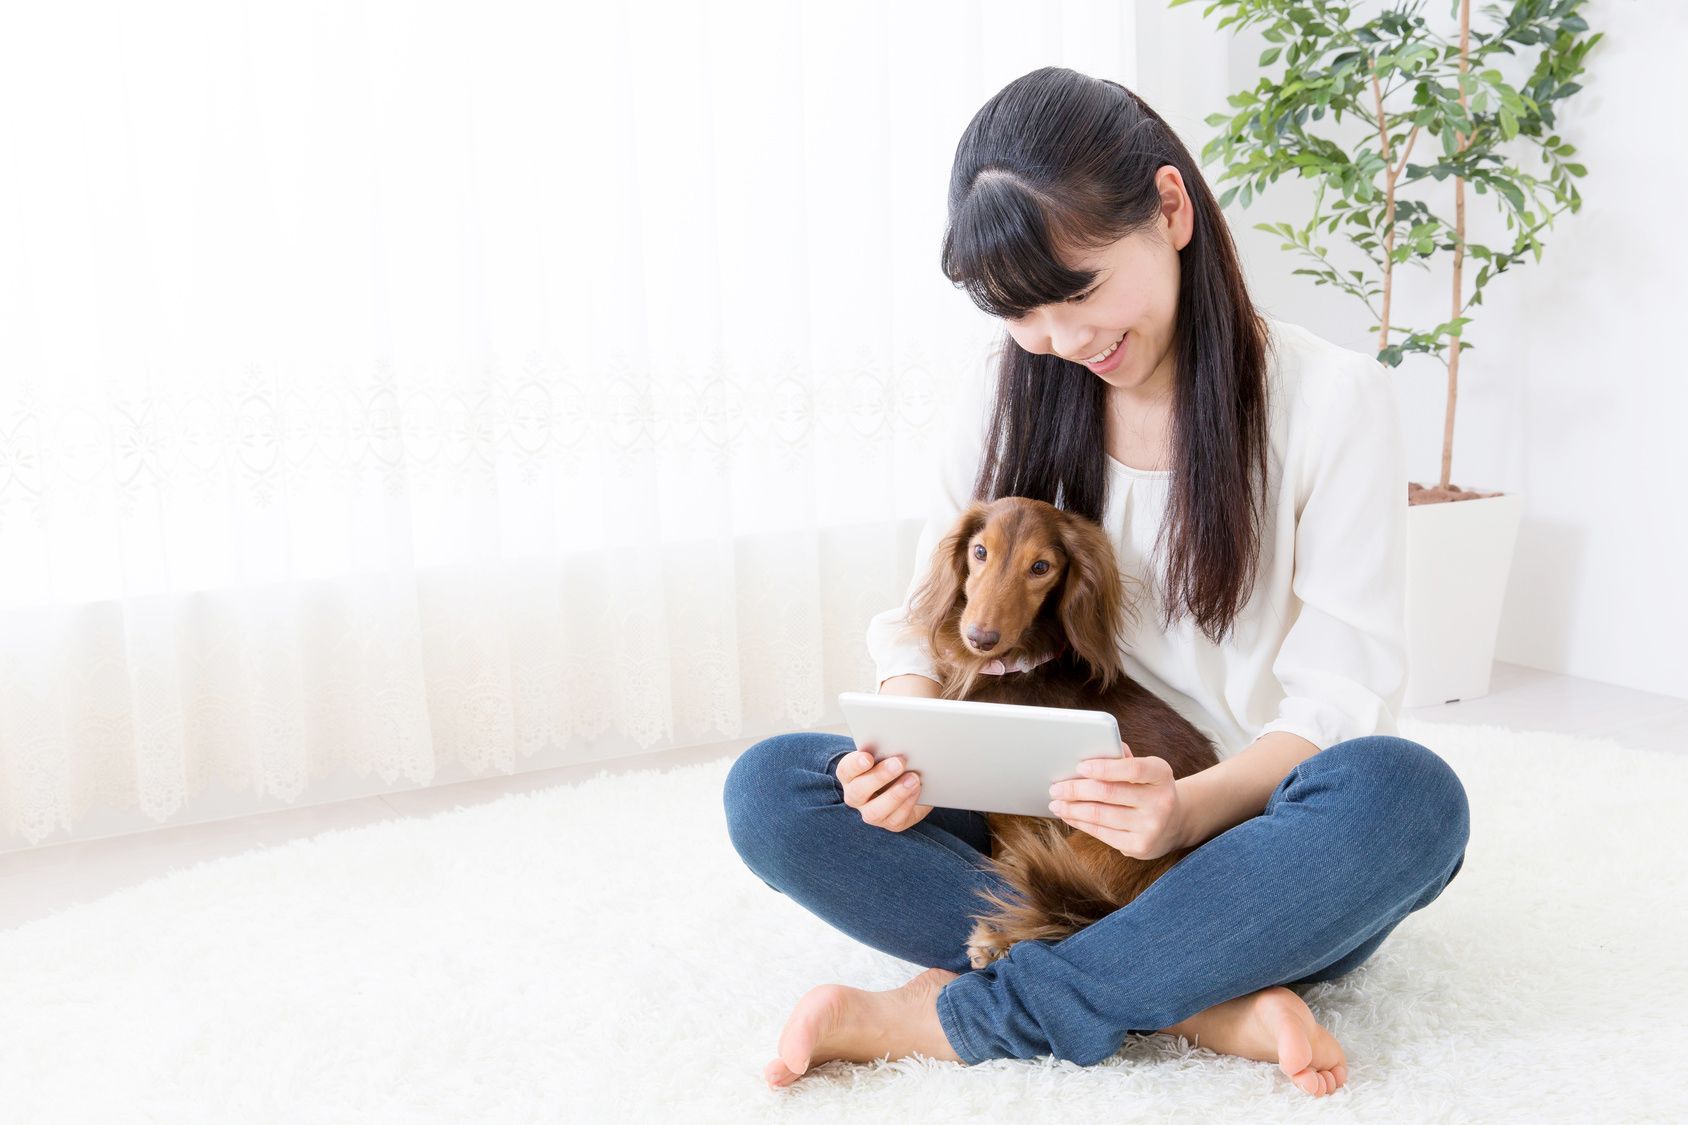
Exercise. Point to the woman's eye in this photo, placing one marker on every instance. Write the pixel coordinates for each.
(1082, 296)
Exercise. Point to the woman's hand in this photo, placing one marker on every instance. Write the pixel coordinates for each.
(1130, 803)
(884, 794)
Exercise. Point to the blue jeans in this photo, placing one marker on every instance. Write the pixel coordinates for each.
(1352, 840)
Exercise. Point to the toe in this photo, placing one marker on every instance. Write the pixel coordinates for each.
(1314, 1081)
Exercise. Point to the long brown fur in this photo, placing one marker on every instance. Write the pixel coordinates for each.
(1062, 878)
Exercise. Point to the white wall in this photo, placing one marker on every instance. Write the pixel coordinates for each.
(1575, 396)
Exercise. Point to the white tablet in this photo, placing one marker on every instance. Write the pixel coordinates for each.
(990, 757)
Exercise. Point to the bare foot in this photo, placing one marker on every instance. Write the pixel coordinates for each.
(834, 1021)
(1272, 1025)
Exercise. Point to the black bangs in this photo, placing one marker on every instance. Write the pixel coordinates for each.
(1001, 249)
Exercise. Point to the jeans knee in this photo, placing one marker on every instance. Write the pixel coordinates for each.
(764, 786)
(1401, 796)
(749, 792)
(1418, 783)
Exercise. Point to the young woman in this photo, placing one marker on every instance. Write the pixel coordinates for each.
(1140, 387)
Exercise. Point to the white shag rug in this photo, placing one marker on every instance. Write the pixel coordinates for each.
(597, 952)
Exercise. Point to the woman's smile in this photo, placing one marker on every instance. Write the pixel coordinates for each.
(1110, 357)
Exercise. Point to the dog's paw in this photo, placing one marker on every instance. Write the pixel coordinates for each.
(985, 945)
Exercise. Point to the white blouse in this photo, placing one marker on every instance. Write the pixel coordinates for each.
(1320, 647)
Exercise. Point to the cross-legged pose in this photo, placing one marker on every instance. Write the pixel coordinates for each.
(1251, 479)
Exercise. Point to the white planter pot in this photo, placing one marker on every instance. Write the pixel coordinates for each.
(1458, 557)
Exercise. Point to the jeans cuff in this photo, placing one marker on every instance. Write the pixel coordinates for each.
(947, 1019)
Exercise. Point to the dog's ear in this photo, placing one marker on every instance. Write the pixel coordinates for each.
(937, 604)
(1092, 604)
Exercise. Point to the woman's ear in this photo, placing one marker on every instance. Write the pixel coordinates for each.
(1091, 605)
(938, 603)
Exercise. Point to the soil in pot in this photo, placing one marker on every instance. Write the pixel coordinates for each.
(1418, 494)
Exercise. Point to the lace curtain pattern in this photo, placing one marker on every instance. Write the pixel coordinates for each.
(386, 388)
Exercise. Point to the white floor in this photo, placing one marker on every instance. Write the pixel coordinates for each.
(35, 882)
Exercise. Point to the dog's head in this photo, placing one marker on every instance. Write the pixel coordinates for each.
(1016, 577)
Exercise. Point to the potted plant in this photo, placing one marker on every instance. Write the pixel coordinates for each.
(1404, 86)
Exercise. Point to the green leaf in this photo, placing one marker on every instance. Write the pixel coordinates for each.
(1321, 64)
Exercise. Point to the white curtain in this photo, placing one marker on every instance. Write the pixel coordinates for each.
(425, 391)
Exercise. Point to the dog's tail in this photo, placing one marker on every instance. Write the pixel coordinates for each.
(1062, 879)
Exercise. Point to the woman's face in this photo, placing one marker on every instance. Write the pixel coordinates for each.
(1134, 299)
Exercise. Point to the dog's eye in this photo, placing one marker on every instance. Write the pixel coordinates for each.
(979, 551)
(1040, 567)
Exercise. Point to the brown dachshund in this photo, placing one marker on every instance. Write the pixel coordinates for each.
(1016, 581)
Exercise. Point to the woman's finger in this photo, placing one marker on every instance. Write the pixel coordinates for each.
(1119, 840)
(855, 763)
(892, 798)
(1112, 769)
(1117, 817)
(909, 814)
(861, 788)
(1139, 770)
(1123, 794)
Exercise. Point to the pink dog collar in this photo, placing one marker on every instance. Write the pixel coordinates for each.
(1021, 663)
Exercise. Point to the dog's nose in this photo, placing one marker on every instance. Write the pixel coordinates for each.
(985, 638)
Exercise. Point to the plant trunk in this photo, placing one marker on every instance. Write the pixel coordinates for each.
(1388, 212)
(1459, 253)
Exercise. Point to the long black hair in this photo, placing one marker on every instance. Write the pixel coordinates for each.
(1058, 162)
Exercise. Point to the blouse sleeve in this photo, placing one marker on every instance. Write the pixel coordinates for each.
(1343, 662)
(895, 649)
